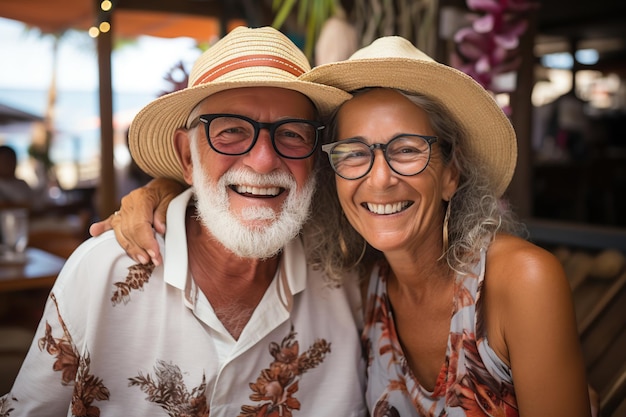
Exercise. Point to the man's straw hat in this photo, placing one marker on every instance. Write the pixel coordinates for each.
(261, 57)
(395, 63)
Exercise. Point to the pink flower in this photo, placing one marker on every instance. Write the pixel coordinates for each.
(488, 46)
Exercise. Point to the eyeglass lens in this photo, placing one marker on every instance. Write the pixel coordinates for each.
(233, 135)
(406, 155)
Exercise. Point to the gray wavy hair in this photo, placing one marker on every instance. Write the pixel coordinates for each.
(476, 212)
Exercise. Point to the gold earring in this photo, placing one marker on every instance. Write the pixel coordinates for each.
(446, 220)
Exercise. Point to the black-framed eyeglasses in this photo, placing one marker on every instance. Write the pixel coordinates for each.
(233, 134)
(405, 154)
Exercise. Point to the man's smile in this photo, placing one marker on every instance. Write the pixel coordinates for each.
(256, 191)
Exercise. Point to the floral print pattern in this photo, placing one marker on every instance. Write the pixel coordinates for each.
(138, 275)
(276, 386)
(275, 389)
(74, 368)
(6, 405)
(168, 390)
(473, 381)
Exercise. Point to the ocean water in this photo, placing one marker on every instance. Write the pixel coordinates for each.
(76, 138)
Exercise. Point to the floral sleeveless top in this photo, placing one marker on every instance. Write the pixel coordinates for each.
(473, 381)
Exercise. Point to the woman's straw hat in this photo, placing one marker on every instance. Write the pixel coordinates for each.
(261, 57)
(394, 62)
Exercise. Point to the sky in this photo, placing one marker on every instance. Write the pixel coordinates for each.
(26, 59)
(137, 71)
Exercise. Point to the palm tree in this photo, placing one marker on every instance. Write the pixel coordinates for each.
(42, 141)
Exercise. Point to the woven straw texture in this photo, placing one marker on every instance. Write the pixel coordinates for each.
(261, 57)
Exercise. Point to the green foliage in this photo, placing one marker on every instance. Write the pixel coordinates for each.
(311, 15)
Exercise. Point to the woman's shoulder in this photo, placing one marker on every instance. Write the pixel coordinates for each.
(511, 252)
(524, 284)
(515, 265)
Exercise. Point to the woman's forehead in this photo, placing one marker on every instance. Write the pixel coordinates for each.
(381, 112)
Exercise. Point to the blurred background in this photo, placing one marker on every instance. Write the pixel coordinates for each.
(75, 72)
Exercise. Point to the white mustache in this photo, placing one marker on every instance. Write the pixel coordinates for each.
(250, 180)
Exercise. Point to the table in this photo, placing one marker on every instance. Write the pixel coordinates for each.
(39, 271)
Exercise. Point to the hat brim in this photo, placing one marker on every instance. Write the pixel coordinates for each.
(151, 134)
(492, 140)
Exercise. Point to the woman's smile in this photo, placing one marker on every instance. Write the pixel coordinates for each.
(387, 208)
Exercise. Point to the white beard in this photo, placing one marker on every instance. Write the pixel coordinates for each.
(247, 240)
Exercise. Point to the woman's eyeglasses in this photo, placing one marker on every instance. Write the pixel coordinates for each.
(405, 154)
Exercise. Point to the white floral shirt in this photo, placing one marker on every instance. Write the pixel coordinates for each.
(122, 339)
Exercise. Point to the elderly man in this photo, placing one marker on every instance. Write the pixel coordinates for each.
(233, 322)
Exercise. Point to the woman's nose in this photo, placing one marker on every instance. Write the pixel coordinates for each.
(381, 173)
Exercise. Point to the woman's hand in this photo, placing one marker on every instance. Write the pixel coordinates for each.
(142, 213)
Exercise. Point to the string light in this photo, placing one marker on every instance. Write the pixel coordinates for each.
(104, 27)
(104, 18)
(106, 5)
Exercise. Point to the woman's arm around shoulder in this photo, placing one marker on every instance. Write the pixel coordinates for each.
(530, 314)
(143, 212)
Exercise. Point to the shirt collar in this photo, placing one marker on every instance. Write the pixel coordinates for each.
(175, 265)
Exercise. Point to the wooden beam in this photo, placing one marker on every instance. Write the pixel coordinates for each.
(209, 8)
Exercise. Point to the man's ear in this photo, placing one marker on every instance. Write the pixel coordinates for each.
(182, 145)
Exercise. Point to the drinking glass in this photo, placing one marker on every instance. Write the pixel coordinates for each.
(13, 233)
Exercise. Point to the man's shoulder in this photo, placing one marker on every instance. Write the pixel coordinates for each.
(103, 246)
(100, 273)
(98, 260)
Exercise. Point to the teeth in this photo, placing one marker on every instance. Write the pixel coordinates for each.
(387, 208)
(246, 189)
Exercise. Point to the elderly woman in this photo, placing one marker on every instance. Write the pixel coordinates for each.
(462, 317)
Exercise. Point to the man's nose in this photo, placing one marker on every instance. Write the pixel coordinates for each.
(262, 158)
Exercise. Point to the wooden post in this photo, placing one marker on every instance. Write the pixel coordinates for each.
(520, 192)
(107, 188)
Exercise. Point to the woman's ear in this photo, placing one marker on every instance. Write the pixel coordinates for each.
(182, 145)
(451, 178)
